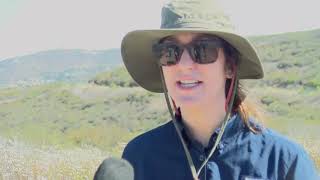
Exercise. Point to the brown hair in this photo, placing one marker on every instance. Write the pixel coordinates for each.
(244, 109)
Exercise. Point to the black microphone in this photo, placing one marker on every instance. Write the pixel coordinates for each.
(114, 169)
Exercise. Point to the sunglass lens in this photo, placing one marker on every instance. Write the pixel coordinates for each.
(168, 54)
(205, 52)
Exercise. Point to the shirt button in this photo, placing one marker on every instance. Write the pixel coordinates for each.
(202, 157)
(221, 146)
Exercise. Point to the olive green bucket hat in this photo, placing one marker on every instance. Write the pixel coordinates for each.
(178, 16)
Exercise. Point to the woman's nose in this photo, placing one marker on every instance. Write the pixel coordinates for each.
(186, 60)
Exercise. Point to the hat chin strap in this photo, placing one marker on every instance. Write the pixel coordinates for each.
(232, 87)
(228, 108)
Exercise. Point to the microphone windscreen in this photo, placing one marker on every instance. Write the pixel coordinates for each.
(114, 169)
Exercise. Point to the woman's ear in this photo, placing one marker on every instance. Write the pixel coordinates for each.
(228, 71)
(229, 74)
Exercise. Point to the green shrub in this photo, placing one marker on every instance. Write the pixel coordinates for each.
(116, 77)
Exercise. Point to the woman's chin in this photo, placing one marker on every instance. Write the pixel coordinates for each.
(189, 101)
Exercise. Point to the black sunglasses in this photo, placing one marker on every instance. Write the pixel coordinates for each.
(203, 51)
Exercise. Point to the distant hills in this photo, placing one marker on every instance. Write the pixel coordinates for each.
(56, 65)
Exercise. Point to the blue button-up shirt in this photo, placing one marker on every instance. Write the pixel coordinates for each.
(241, 154)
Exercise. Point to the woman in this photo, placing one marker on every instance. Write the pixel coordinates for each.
(197, 59)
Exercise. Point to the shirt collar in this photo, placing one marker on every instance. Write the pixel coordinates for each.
(231, 129)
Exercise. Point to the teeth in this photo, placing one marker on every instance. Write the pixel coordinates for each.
(188, 81)
(189, 85)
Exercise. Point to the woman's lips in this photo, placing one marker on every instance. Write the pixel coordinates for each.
(188, 84)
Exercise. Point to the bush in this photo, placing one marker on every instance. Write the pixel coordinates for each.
(117, 77)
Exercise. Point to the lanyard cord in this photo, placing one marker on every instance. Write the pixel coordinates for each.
(194, 172)
(191, 165)
(224, 124)
(233, 89)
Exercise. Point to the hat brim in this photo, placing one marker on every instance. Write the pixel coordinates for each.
(136, 51)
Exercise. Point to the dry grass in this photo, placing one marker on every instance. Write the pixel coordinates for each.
(312, 147)
(19, 161)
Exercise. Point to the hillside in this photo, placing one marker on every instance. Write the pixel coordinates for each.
(69, 115)
(290, 91)
(291, 59)
(56, 65)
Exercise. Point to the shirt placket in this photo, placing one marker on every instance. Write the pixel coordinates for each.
(203, 154)
(200, 159)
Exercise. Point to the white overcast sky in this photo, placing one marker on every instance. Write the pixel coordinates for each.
(28, 26)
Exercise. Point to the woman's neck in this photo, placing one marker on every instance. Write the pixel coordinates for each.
(202, 122)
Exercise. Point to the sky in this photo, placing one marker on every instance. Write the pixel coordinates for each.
(28, 26)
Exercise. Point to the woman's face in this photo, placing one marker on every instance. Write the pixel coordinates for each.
(191, 84)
